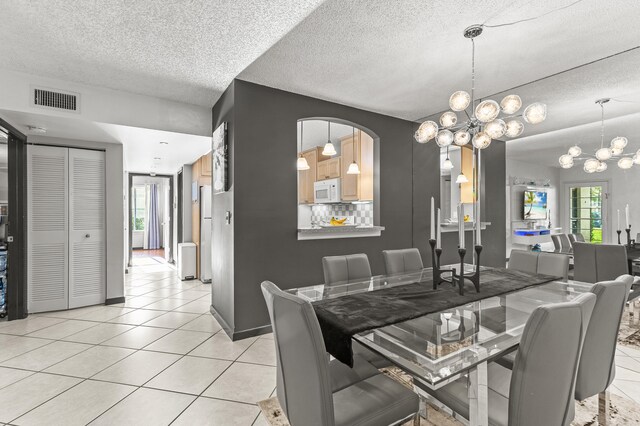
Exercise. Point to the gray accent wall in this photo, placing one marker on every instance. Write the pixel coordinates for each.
(261, 242)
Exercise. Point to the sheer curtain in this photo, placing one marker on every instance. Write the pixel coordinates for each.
(153, 219)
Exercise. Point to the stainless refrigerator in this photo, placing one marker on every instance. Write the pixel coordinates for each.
(205, 234)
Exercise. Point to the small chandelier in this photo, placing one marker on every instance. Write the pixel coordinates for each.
(614, 152)
(482, 123)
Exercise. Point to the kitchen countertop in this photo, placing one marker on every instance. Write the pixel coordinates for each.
(339, 232)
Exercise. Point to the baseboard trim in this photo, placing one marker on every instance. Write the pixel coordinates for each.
(114, 300)
(238, 335)
(252, 332)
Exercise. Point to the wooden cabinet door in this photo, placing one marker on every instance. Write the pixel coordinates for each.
(306, 178)
(350, 183)
(206, 164)
(333, 168)
(323, 170)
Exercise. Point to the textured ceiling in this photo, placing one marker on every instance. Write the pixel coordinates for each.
(142, 149)
(406, 60)
(185, 50)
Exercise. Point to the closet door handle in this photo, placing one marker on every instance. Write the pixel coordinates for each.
(87, 236)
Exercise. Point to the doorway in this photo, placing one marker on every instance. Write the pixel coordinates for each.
(13, 211)
(586, 210)
(150, 220)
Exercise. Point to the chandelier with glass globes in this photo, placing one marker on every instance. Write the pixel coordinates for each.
(483, 121)
(598, 163)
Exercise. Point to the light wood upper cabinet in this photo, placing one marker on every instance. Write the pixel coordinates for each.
(329, 169)
(206, 164)
(357, 187)
(306, 178)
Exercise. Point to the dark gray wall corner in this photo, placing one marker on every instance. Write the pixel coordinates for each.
(261, 243)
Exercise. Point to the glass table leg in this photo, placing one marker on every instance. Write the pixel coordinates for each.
(479, 396)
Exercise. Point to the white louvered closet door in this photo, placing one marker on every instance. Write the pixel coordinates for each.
(87, 243)
(47, 221)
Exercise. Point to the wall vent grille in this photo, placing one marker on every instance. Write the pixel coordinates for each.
(55, 99)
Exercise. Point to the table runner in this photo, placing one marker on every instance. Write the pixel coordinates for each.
(342, 317)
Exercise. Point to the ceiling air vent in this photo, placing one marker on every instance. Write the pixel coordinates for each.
(55, 99)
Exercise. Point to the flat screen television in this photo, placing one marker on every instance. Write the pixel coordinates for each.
(535, 205)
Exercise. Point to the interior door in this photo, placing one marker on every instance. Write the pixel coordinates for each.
(47, 222)
(87, 246)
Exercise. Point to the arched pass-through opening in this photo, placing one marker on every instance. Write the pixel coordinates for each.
(338, 174)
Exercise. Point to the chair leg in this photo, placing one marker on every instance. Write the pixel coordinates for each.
(416, 419)
(603, 408)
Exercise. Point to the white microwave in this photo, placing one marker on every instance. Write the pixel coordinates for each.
(326, 191)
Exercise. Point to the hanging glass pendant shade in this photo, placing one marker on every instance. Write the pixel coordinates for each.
(353, 167)
(302, 163)
(329, 150)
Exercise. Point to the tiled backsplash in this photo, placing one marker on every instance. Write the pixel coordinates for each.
(358, 214)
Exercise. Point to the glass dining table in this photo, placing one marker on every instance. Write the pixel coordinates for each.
(439, 348)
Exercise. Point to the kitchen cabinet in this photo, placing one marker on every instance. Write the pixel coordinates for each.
(329, 169)
(306, 178)
(357, 187)
(206, 164)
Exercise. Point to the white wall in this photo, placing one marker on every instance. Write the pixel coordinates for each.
(116, 218)
(623, 188)
(103, 105)
(536, 172)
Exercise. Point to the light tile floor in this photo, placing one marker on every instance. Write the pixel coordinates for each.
(159, 358)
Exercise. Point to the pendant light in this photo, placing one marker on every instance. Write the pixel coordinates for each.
(302, 164)
(461, 179)
(353, 167)
(447, 164)
(329, 150)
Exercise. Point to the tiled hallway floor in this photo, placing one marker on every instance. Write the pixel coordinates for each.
(158, 359)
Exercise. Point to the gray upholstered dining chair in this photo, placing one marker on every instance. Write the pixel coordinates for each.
(556, 243)
(305, 389)
(565, 243)
(523, 260)
(584, 262)
(611, 261)
(345, 268)
(352, 267)
(576, 237)
(596, 370)
(540, 389)
(554, 264)
(402, 261)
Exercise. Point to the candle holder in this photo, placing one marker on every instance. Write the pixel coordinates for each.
(619, 232)
(437, 271)
(474, 277)
(628, 231)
